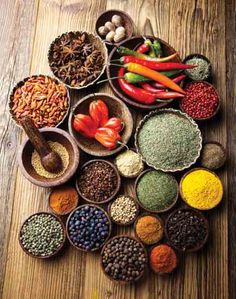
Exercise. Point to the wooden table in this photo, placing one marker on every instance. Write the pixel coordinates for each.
(27, 29)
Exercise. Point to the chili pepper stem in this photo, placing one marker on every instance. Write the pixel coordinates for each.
(105, 80)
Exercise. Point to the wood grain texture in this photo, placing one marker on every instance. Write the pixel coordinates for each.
(189, 26)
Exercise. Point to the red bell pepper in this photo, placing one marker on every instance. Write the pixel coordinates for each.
(107, 137)
(114, 123)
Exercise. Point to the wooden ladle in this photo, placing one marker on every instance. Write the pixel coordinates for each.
(50, 160)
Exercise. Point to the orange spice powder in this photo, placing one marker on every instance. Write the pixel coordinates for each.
(163, 259)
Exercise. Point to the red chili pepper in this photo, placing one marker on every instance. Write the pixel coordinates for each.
(160, 93)
(99, 112)
(149, 87)
(176, 80)
(107, 137)
(114, 123)
(144, 48)
(85, 125)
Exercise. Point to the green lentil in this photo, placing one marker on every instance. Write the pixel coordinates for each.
(157, 190)
(201, 72)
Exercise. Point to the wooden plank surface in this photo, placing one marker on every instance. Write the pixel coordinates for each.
(28, 27)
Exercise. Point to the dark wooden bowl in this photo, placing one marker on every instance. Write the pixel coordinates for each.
(107, 16)
(58, 249)
(112, 70)
(181, 182)
(116, 108)
(122, 282)
(148, 214)
(203, 118)
(67, 230)
(129, 222)
(115, 191)
(199, 214)
(154, 211)
(223, 150)
(56, 135)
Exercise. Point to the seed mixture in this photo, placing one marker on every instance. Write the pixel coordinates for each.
(40, 170)
(41, 235)
(129, 163)
(123, 209)
(201, 72)
(213, 156)
(163, 259)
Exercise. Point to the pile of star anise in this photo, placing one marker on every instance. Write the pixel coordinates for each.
(74, 59)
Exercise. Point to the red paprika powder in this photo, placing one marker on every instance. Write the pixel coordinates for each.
(163, 259)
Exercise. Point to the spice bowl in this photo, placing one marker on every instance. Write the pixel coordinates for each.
(219, 157)
(55, 135)
(116, 108)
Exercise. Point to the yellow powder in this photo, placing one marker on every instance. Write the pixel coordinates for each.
(202, 189)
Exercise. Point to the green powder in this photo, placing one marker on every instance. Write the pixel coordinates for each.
(201, 72)
(156, 190)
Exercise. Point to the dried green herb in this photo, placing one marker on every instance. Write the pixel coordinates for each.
(201, 72)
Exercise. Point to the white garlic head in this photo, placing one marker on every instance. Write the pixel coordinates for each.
(117, 20)
(103, 30)
(110, 26)
(110, 36)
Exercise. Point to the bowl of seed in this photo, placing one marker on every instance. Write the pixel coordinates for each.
(42, 235)
(78, 58)
(123, 210)
(31, 166)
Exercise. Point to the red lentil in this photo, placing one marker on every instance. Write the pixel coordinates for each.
(201, 100)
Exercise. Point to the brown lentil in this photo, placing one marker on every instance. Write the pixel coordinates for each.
(123, 209)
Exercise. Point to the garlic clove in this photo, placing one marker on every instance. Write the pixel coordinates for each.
(110, 26)
(110, 36)
(120, 30)
(117, 20)
(118, 37)
(103, 30)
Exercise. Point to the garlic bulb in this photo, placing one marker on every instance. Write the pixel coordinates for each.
(120, 30)
(117, 20)
(103, 30)
(110, 36)
(119, 37)
(110, 26)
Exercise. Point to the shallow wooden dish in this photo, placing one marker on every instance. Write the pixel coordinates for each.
(26, 150)
(181, 182)
(206, 225)
(117, 187)
(122, 282)
(112, 70)
(131, 221)
(58, 249)
(67, 224)
(107, 15)
(155, 211)
(116, 108)
(223, 150)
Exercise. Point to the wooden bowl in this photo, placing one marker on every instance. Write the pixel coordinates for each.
(116, 108)
(181, 182)
(67, 227)
(112, 70)
(115, 191)
(148, 214)
(122, 282)
(58, 249)
(129, 222)
(223, 150)
(107, 16)
(26, 150)
(154, 211)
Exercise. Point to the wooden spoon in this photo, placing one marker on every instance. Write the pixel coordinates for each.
(50, 160)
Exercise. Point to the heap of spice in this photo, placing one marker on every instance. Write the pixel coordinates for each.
(123, 210)
(63, 200)
(75, 59)
(186, 229)
(213, 155)
(163, 259)
(202, 71)
(124, 259)
(200, 101)
(61, 151)
(156, 190)
(149, 229)
(98, 181)
(88, 227)
(129, 163)
(41, 98)
(201, 189)
(168, 140)
(42, 234)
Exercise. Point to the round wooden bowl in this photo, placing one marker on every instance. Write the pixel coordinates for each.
(67, 230)
(58, 249)
(21, 83)
(94, 39)
(112, 70)
(107, 15)
(153, 215)
(202, 118)
(181, 182)
(223, 150)
(199, 214)
(122, 282)
(116, 108)
(154, 211)
(129, 222)
(55, 135)
(115, 191)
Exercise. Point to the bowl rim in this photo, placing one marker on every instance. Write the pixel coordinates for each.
(179, 114)
(117, 186)
(58, 249)
(105, 52)
(109, 226)
(65, 176)
(223, 149)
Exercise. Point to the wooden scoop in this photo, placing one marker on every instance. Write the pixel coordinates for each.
(50, 160)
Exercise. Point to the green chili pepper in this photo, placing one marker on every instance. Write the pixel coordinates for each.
(151, 52)
(157, 48)
(135, 78)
